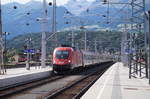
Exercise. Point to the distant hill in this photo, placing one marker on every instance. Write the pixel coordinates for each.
(106, 40)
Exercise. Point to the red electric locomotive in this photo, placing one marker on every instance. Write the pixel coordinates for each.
(66, 58)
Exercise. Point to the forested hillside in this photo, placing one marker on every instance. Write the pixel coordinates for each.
(106, 40)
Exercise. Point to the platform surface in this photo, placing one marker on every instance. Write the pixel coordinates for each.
(115, 84)
(23, 71)
(21, 75)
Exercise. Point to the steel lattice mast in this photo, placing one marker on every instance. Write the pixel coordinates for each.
(147, 39)
(137, 41)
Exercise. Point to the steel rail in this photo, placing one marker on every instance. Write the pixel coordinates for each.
(89, 85)
(21, 87)
(60, 91)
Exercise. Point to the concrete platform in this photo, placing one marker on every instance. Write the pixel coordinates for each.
(18, 75)
(115, 84)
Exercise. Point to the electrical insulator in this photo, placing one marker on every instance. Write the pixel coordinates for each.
(67, 12)
(104, 1)
(108, 22)
(28, 13)
(82, 27)
(15, 7)
(27, 24)
(50, 3)
(87, 10)
(67, 22)
(37, 20)
(104, 15)
(46, 11)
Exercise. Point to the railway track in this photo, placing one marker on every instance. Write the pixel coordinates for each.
(9, 90)
(77, 88)
(38, 89)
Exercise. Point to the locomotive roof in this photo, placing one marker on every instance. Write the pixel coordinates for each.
(64, 48)
(67, 46)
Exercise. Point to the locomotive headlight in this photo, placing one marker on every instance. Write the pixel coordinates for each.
(69, 61)
(54, 62)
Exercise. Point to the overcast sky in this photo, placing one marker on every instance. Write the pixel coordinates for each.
(61, 2)
(58, 1)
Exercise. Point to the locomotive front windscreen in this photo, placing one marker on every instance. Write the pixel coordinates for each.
(63, 54)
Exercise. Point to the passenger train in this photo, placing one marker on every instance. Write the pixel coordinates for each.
(69, 58)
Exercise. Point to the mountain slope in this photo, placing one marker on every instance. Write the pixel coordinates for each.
(23, 19)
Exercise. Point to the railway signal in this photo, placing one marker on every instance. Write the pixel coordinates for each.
(15, 7)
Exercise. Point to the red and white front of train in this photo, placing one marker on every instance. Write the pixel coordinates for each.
(62, 59)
